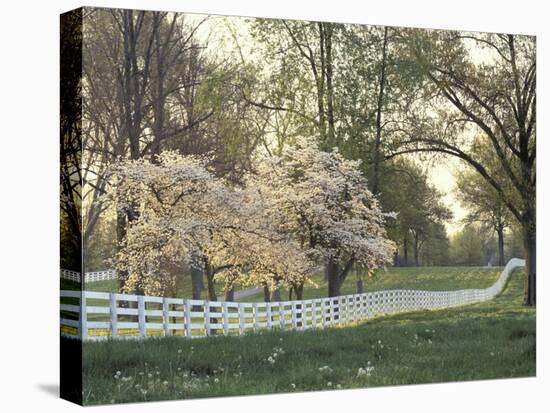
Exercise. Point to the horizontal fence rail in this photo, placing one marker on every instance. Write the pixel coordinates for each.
(89, 276)
(92, 315)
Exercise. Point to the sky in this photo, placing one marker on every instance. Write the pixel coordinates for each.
(441, 175)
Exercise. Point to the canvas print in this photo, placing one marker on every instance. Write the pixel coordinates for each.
(253, 205)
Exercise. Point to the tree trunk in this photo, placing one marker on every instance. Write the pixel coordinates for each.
(267, 294)
(330, 93)
(380, 104)
(121, 235)
(333, 274)
(319, 76)
(416, 251)
(500, 233)
(405, 252)
(360, 286)
(229, 294)
(276, 295)
(299, 291)
(211, 287)
(530, 246)
(196, 283)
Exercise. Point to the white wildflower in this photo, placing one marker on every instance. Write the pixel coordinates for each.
(325, 369)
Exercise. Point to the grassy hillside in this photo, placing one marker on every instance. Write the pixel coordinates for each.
(411, 278)
(495, 339)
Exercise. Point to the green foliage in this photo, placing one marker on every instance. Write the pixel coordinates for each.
(421, 213)
(467, 247)
(101, 248)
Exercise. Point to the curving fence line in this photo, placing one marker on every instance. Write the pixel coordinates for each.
(89, 276)
(92, 315)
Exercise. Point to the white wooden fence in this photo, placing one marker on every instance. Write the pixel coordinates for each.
(99, 315)
(89, 276)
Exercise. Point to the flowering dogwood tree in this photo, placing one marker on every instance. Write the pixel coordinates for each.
(185, 213)
(304, 207)
(322, 199)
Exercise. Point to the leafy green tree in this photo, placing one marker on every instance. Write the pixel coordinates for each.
(407, 191)
(467, 247)
(436, 248)
(485, 206)
(480, 83)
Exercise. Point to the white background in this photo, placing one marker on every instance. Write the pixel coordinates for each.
(29, 203)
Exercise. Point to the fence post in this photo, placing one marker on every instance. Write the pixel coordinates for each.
(294, 319)
(187, 309)
(282, 315)
(241, 318)
(255, 317)
(165, 315)
(206, 310)
(314, 313)
(269, 315)
(141, 316)
(225, 316)
(303, 314)
(83, 317)
(370, 305)
(396, 301)
(114, 315)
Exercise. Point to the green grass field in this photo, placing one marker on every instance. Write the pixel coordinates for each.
(411, 278)
(495, 339)
(417, 278)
